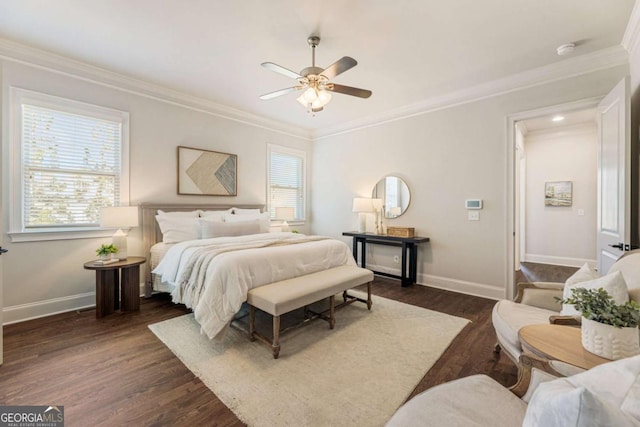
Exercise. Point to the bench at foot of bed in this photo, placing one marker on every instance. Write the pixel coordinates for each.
(287, 295)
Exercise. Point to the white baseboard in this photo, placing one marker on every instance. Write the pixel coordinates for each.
(455, 285)
(557, 260)
(35, 310)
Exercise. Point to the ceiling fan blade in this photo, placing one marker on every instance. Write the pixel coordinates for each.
(348, 90)
(279, 69)
(340, 66)
(280, 92)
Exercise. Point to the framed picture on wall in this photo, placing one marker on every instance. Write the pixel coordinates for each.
(558, 193)
(207, 173)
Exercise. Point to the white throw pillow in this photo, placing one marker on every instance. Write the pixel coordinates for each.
(264, 218)
(239, 211)
(209, 228)
(178, 228)
(613, 283)
(213, 215)
(607, 395)
(178, 214)
(584, 274)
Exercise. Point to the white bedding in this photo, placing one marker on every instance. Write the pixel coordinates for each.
(213, 276)
(156, 254)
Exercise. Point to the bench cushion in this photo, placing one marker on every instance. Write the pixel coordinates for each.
(287, 295)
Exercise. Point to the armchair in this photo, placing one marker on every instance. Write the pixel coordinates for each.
(604, 395)
(536, 303)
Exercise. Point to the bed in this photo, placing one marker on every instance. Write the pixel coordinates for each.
(212, 274)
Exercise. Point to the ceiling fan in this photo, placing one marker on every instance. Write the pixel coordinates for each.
(315, 81)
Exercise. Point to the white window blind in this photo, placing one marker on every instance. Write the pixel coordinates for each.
(287, 181)
(71, 167)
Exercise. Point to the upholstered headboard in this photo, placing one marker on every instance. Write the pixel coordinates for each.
(151, 231)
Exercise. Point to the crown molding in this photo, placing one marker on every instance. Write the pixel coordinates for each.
(571, 67)
(631, 38)
(37, 58)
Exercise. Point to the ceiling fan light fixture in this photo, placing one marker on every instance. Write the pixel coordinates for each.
(310, 95)
(314, 82)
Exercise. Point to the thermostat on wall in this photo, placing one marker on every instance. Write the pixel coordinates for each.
(473, 203)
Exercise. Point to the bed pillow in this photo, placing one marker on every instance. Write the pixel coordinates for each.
(178, 228)
(213, 215)
(178, 214)
(607, 395)
(613, 283)
(264, 218)
(238, 211)
(213, 228)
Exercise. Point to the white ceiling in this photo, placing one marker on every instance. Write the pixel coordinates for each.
(572, 118)
(408, 51)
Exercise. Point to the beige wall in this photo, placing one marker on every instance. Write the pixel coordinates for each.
(559, 234)
(45, 277)
(445, 157)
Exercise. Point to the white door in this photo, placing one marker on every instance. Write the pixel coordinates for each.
(614, 175)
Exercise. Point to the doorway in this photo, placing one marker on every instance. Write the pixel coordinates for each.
(556, 155)
(556, 193)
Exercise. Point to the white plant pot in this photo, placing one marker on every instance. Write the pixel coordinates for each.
(608, 341)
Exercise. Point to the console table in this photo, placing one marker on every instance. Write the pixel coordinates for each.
(409, 252)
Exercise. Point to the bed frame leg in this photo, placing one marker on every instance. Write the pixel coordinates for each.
(252, 323)
(276, 337)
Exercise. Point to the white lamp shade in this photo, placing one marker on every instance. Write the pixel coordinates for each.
(119, 217)
(361, 204)
(285, 213)
(377, 204)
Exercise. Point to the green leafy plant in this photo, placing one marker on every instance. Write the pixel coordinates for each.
(106, 249)
(599, 306)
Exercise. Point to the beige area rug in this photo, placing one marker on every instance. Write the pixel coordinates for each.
(357, 374)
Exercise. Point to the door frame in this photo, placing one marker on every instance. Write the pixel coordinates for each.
(510, 230)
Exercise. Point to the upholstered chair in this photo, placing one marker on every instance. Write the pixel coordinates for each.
(603, 396)
(536, 303)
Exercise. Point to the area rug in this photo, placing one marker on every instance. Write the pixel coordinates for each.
(357, 374)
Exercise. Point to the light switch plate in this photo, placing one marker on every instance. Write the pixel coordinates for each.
(473, 215)
(580, 212)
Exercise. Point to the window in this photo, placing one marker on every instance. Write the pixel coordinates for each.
(286, 180)
(70, 159)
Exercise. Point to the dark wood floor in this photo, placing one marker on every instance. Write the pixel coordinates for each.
(535, 272)
(114, 371)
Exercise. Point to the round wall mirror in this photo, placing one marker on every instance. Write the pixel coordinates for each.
(395, 196)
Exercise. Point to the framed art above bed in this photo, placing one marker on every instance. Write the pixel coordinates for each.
(207, 173)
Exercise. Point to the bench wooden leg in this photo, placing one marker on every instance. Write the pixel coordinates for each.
(252, 323)
(369, 301)
(276, 337)
(332, 311)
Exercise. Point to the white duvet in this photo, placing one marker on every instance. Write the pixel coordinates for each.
(213, 276)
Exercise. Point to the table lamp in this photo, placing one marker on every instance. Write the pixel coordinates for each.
(119, 217)
(362, 206)
(285, 213)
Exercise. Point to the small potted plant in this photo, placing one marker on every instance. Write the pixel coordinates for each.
(609, 330)
(105, 251)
